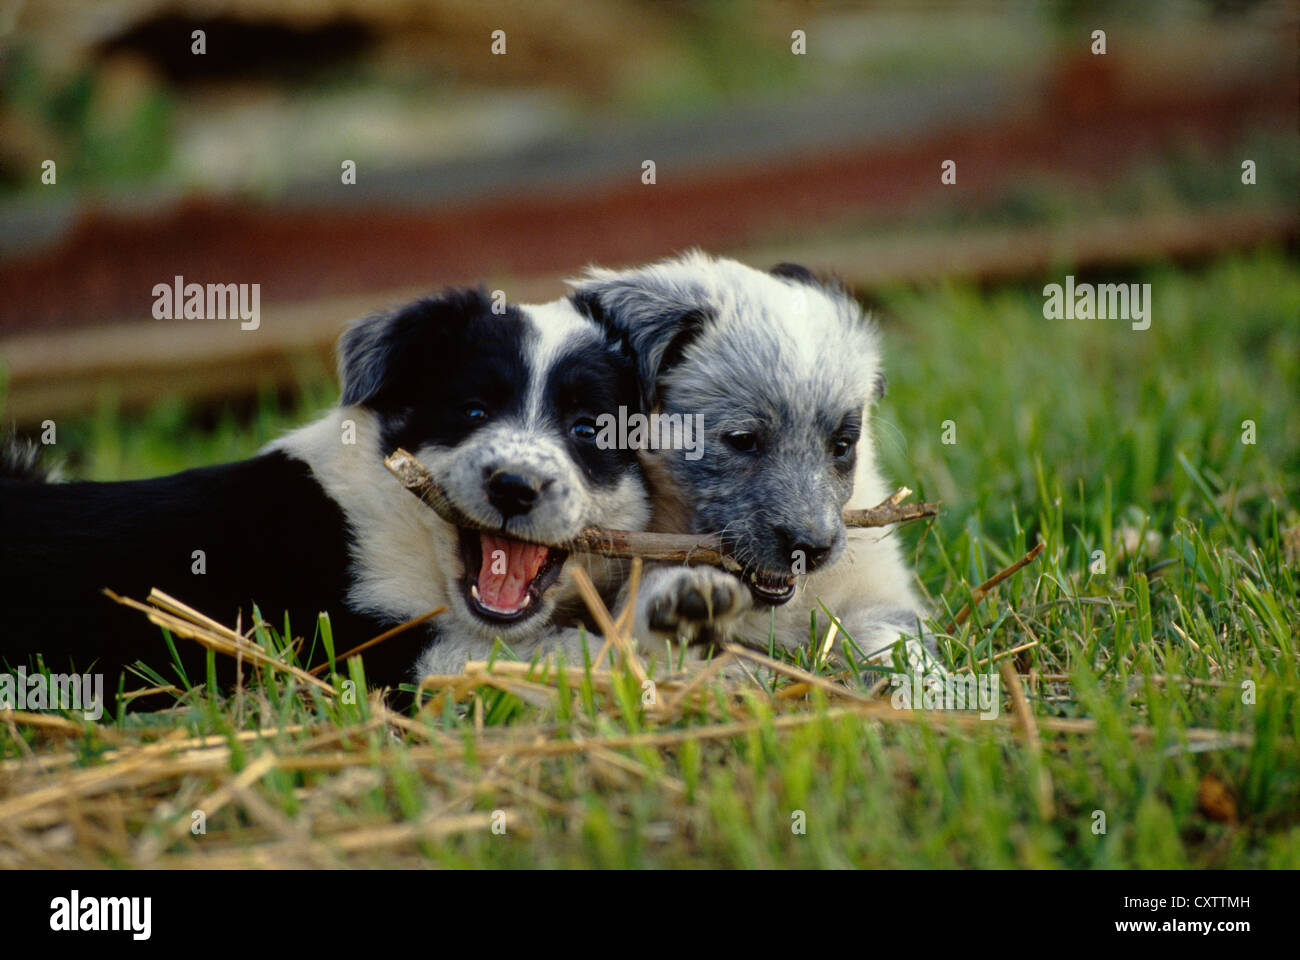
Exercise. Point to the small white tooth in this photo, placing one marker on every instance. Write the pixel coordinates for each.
(528, 598)
(473, 590)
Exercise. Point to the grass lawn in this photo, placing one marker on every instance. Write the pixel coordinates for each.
(1154, 639)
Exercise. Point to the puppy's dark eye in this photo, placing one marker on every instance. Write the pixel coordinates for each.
(475, 411)
(584, 429)
(743, 441)
(841, 448)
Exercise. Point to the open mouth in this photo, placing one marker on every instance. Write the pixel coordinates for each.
(771, 588)
(504, 578)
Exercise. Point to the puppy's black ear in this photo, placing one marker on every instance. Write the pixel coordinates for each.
(386, 355)
(792, 271)
(654, 325)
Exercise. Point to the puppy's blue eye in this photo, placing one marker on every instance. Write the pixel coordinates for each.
(584, 429)
(476, 411)
(743, 441)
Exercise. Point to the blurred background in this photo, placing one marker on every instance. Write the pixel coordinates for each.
(516, 169)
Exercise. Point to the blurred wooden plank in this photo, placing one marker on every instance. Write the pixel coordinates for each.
(535, 213)
(65, 372)
(54, 374)
(1008, 253)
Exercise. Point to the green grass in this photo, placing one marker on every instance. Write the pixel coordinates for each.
(1086, 434)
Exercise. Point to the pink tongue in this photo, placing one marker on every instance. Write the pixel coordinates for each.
(508, 568)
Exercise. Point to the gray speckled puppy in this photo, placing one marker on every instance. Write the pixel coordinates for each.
(783, 370)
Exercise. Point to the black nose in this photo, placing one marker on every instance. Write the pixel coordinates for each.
(513, 493)
(813, 547)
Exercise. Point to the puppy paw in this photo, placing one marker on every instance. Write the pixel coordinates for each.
(698, 604)
(876, 637)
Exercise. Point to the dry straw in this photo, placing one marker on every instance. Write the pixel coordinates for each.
(134, 803)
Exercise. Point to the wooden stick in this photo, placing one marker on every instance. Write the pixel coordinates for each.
(317, 670)
(985, 588)
(628, 544)
(883, 514)
(1025, 720)
(803, 676)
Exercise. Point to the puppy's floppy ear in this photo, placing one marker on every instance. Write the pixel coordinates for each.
(383, 357)
(653, 322)
(792, 271)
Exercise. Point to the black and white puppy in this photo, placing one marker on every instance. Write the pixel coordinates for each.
(502, 406)
(781, 371)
